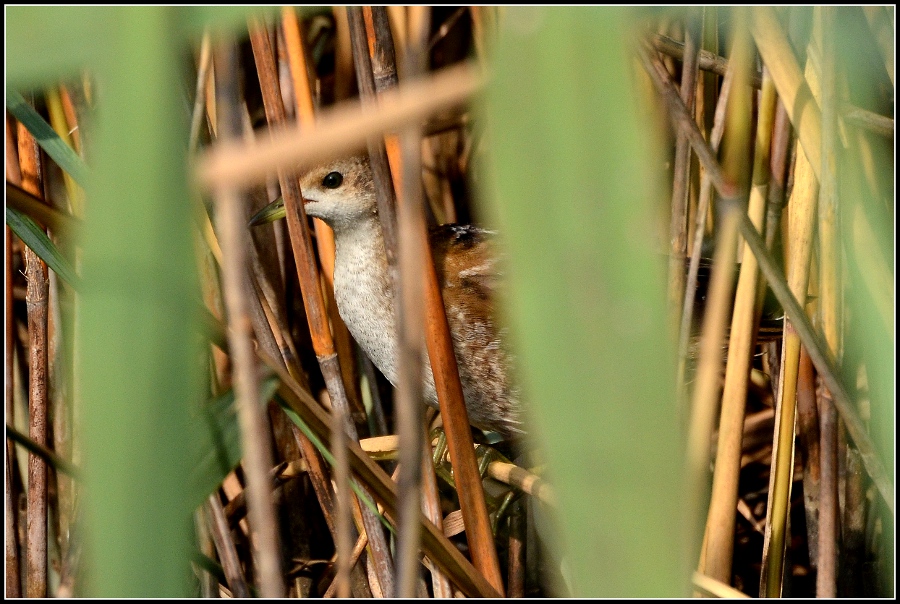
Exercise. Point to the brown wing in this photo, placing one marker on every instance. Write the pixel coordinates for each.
(465, 259)
(467, 270)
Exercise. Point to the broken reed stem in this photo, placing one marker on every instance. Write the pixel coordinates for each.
(721, 519)
(60, 126)
(308, 276)
(72, 119)
(36, 296)
(221, 536)
(236, 285)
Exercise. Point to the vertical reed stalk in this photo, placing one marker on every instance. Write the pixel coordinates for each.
(704, 203)
(13, 581)
(411, 317)
(438, 340)
(721, 519)
(305, 112)
(802, 212)
(61, 350)
(343, 518)
(826, 576)
(36, 300)
(307, 274)
(255, 437)
(682, 171)
(830, 294)
(706, 393)
(808, 429)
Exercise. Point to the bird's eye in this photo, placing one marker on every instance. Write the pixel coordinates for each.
(332, 180)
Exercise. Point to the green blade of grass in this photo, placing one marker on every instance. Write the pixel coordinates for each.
(313, 437)
(46, 137)
(218, 448)
(36, 239)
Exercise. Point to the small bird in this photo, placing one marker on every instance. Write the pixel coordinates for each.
(342, 193)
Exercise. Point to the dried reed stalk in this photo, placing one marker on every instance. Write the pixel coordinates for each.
(36, 299)
(435, 544)
(721, 519)
(13, 580)
(221, 535)
(307, 274)
(255, 437)
(682, 173)
(339, 131)
(830, 294)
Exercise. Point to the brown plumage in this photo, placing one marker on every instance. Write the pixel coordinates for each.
(342, 194)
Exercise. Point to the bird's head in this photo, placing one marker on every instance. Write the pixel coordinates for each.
(340, 192)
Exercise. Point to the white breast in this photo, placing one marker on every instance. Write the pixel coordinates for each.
(363, 294)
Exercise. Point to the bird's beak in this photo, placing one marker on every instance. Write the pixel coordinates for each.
(270, 213)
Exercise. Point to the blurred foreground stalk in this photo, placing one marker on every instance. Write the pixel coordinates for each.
(575, 203)
(140, 370)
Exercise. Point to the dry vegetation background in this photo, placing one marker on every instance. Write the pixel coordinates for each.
(775, 120)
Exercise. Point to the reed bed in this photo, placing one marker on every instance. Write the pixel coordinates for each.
(694, 210)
